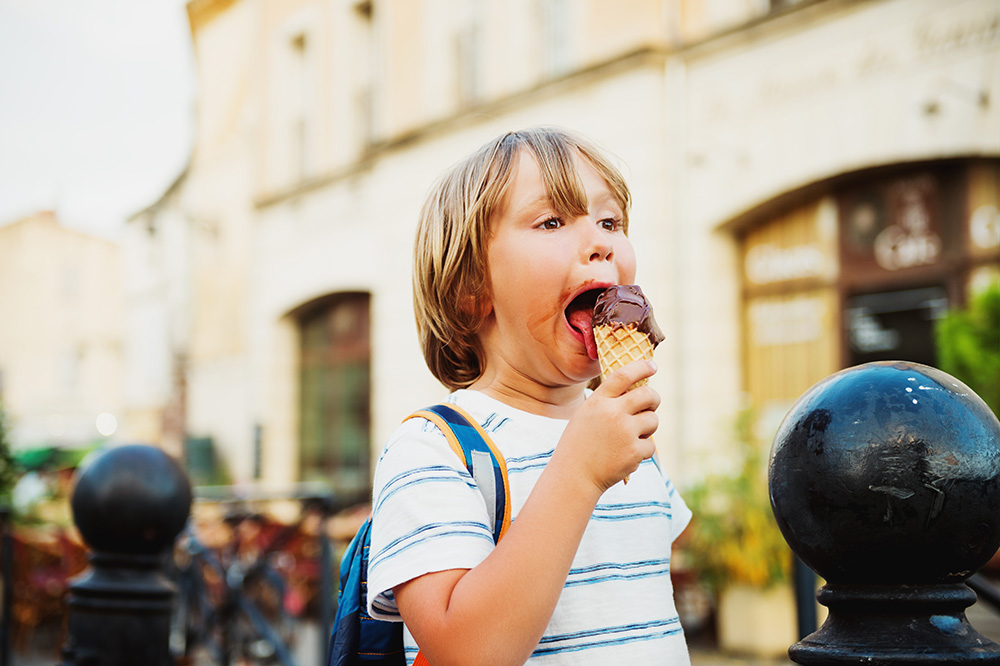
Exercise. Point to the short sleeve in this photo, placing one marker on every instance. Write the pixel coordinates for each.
(427, 514)
(680, 514)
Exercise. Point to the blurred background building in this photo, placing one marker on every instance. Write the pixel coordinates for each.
(61, 333)
(814, 184)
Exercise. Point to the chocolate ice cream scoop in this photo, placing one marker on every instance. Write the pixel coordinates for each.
(626, 305)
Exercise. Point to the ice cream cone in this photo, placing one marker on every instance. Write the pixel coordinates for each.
(620, 345)
(624, 329)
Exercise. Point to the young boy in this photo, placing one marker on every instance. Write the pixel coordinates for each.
(510, 242)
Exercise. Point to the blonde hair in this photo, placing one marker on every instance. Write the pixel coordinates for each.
(451, 289)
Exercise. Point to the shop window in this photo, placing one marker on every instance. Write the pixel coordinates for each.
(790, 304)
(335, 393)
(894, 325)
(864, 271)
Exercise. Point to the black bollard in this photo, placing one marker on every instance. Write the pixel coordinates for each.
(129, 504)
(885, 480)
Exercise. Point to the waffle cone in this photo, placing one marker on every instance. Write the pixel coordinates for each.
(619, 345)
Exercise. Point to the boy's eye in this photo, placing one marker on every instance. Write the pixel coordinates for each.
(551, 223)
(610, 224)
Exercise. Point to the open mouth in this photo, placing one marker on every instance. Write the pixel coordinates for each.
(580, 315)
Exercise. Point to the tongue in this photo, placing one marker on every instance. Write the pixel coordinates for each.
(582, 320)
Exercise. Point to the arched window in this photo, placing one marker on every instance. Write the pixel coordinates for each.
(334, 380)
(860, 267)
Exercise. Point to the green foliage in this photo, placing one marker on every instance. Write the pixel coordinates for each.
(968, 345)
(8, 472)
(734, 537)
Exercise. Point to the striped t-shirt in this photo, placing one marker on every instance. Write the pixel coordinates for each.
(617, 605)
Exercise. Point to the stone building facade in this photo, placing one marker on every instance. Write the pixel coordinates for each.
(813, 182)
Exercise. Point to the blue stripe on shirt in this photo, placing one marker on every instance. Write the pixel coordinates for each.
(631, 511)
(644, 631)
(429, 532)
(518, 464)
(492, 424)
(420, 475)
(609, 571)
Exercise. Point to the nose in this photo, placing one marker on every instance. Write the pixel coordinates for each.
(598, 244)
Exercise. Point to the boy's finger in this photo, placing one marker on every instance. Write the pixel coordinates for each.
(647, 423)
(642, 399)
(619, 381)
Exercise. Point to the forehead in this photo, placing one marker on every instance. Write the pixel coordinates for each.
(563, 181)
(525, 183)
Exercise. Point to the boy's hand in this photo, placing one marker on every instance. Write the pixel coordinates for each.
(609, 436)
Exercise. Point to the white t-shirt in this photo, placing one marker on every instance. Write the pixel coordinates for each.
(617, 605)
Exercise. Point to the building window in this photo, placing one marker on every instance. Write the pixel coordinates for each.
(469, 53)
(365, 52)
(790, 305)
(299, 105)
(555, 29)
(863, 272)
(335, 393)
(777, 5)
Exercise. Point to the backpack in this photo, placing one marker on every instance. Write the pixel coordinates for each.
(358, 639)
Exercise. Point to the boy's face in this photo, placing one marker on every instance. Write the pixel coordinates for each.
(539, 262)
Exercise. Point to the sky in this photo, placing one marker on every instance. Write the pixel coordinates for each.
(97, 102)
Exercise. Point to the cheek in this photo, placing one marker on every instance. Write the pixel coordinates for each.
(514, 266)
(519, 286)
(504, 280)
(626, 262)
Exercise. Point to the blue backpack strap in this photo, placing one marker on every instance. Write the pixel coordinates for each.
(481, 457)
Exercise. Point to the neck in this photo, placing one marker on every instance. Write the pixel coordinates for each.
(521, 392)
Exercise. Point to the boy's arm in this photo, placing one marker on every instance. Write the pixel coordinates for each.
(497, 612)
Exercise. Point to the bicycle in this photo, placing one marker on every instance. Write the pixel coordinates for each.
(229, 605)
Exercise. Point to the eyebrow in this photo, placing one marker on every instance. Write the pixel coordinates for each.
(608, 197)
(546, 201)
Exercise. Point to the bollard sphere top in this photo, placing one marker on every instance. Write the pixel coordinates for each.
(889, 473)
(131, 499)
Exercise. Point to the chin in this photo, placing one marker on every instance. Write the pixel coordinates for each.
(588, 373)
